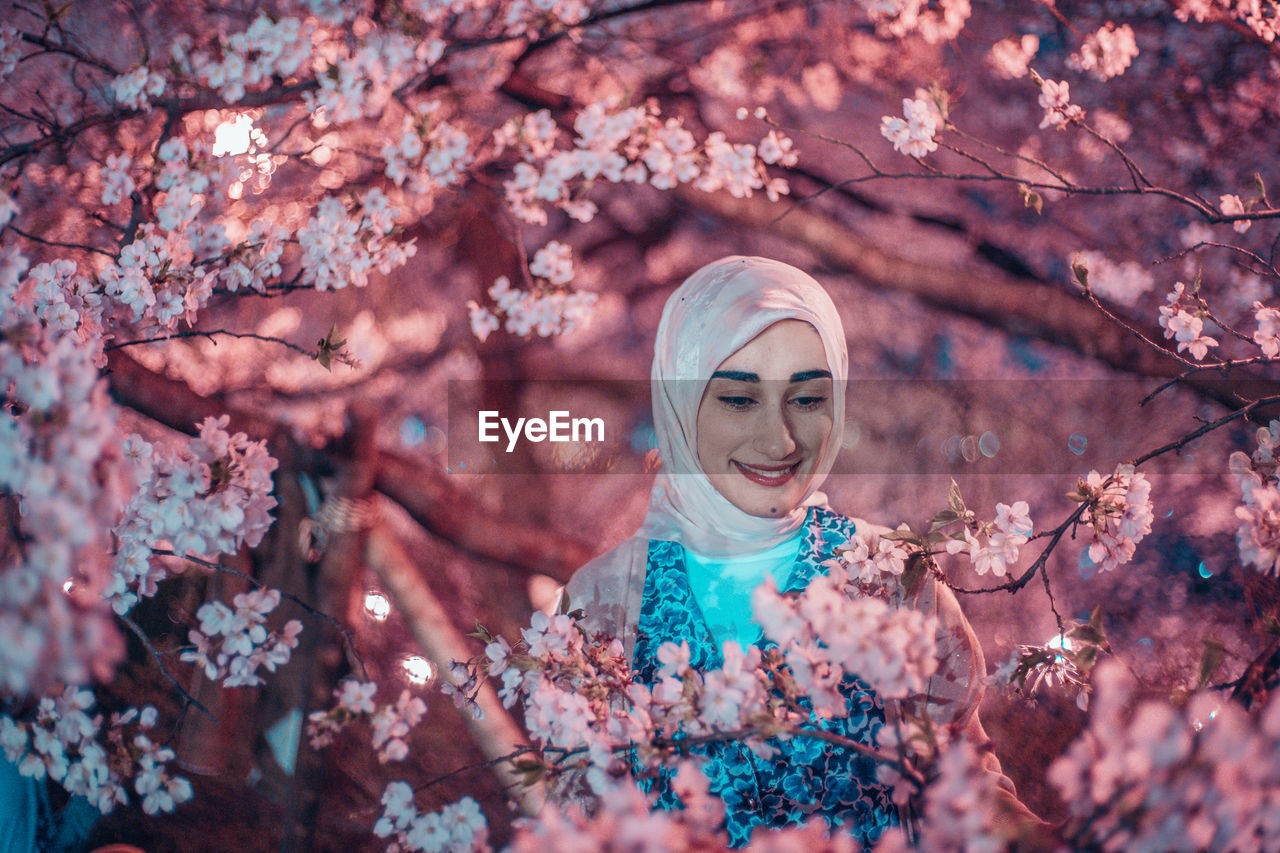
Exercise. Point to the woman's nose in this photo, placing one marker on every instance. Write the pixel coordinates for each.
(774, 438)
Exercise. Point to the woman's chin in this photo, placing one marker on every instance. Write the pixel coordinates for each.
(768, 506)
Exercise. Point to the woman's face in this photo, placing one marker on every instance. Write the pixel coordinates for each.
(765, 418)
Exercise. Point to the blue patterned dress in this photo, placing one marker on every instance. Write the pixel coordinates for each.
(806, 776)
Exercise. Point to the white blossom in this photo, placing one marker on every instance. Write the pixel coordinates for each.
(1010, 57)
(1268, 335)
(1232, 206)
(1055, 99)
(1183, 326)
(913, 134)
(138, 88)
(1119, 513)
(1107, 52)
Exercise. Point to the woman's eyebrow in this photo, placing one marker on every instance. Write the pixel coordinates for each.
(738, 376)
(744, 376)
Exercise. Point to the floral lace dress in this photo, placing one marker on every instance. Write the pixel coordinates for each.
(805, 776)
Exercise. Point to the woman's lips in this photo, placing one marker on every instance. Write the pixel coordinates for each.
(767, 476)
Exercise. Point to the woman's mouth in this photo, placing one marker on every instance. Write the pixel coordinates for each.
(768, 476)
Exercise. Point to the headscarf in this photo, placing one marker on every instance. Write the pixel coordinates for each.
(718, 310)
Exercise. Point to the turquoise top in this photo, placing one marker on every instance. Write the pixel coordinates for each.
(723, 586)
(805, 776)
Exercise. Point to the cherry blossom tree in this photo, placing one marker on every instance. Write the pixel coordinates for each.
(245, 249)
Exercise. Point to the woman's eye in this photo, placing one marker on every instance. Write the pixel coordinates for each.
(737, 403)
(807, 403)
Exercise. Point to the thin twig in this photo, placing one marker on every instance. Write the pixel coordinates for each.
(42, 241)
(1053, 604)
(1207, 427)
(510, 756)
(1222, 366)
(1088, 293)
(1268, 269)
(210, 335)
(187, 698)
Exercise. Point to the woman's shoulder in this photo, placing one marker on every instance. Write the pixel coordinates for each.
(608, 588)
(611, 567)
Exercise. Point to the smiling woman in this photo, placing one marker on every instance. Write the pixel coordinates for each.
(748, 380)
(765, 419)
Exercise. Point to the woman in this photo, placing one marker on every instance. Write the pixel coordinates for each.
(748, 378)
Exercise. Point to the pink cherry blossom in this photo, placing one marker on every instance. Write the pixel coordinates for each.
(1055, 99)
(1268, 335)
(1232, 206)
(1107, 52)
(913, 134)
(1119, 513)
(1011, 56)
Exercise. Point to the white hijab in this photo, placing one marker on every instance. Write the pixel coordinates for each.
(718, 310)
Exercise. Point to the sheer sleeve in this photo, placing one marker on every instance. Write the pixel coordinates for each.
(954, 693)
(609, 589)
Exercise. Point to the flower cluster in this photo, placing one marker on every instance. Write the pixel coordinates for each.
(1118, 511)
(68, 745)
(253, 263)
(457, 828)
(833, 629)
(577, 695)
(1107, 52)
(206, 498)
(60, 457)
(935, 22)
(1268, 335)
(247, 59)
(246, 645)
(912, 134)
(342, 246)
(626, 820)
(117, 183)
(1010, 530)
(527, 16)
(1146, 776)
(1258, 536)
(391, 723)
(153, 278)
(138, 88)
(1183, 326)
(549, 309)
(429, 154)
(870, 555)
(181, 187)
(1011, 57)
(1055, 100)
(361, 79)
(1258, 17)
(631, 145)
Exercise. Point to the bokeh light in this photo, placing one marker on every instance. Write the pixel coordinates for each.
(377, 606)
(418, 669)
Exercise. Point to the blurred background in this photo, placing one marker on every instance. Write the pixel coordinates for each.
(973, 357)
